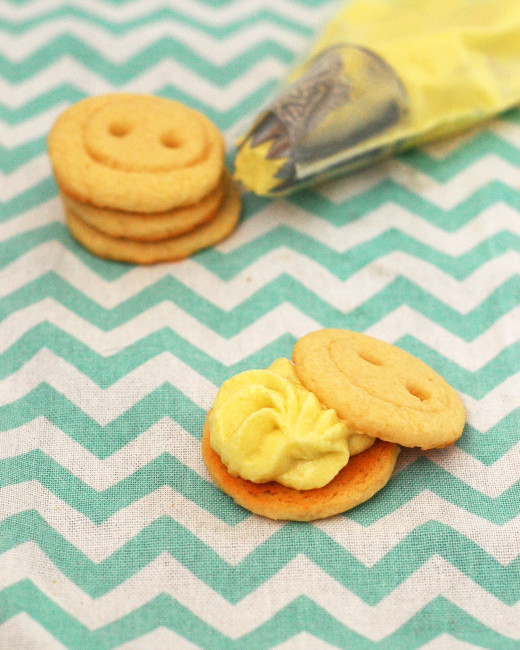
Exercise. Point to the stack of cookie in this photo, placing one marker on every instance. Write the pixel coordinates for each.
(142, 178)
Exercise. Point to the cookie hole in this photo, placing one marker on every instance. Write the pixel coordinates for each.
(119, 129)
(169, 141)
(418, 392)
(370, 359)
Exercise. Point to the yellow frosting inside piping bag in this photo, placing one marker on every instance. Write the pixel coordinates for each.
(457, 63)
(266, 426)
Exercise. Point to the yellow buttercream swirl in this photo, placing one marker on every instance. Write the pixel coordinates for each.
(266, 426)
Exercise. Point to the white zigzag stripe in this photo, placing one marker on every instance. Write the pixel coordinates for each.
(117, 48)
(201, 11)
(23, 178)
(106, 404)
(98, 542)
(472, 356)
(370, 544)
(21, 632)
(163, 74)
(506, 130)
(492, 481)
(503, 128)
(283, 319)
(445, 195)
(24, 633)
(159, 639)
(37, 126)
(447, 641)
(234, 543)
(304, 640)
(389, 216)
(166, 436)
(434, 578)
(488, 223)
(462, 296)
(12, 136)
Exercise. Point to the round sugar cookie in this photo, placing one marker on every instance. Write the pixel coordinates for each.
(379, 389)
(138, 153)
(363, 476)
(143, 226)
(165, 250)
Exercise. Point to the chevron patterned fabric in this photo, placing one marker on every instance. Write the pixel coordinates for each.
(111, 532)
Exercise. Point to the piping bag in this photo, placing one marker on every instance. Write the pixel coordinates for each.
(383, 76)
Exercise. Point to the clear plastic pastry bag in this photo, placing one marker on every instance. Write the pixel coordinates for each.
(384, 76)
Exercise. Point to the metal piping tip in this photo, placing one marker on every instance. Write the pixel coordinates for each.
(280, 148)
(286, 171)
(269, 128)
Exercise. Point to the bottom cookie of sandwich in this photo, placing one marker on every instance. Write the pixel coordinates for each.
(363, 476)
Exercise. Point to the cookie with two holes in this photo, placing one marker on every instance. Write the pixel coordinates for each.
(142, 178)
(379, 391)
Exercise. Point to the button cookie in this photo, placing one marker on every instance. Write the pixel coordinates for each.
(147, 226)
(164, 250)
(142, 178)
(379, 389)
(276, 448)
(138, 153)
(363, 476)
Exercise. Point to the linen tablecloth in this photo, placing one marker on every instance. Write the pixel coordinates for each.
(111, 532)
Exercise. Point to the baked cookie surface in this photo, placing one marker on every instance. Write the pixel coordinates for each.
(363, 476)
(379, 389)
(139, 153)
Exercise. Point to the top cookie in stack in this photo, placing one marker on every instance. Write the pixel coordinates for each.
(142, 178)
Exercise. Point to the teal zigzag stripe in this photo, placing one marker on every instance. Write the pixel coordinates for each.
(135, 66)
(399, 292)
(68, 94)
(479, 146)
(343, 265)
(167, 401)
(105, 371)
(102, 441)
(12, 159)
(160, 16)
(47, 99)
(211, 3)
(386, 192)
(301, 615)
(165, 470)
(236, 582)
(390, 192)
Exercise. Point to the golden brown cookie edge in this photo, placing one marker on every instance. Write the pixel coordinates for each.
(401, 426)
(168, 250)
(149, 226)
(362, 477)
